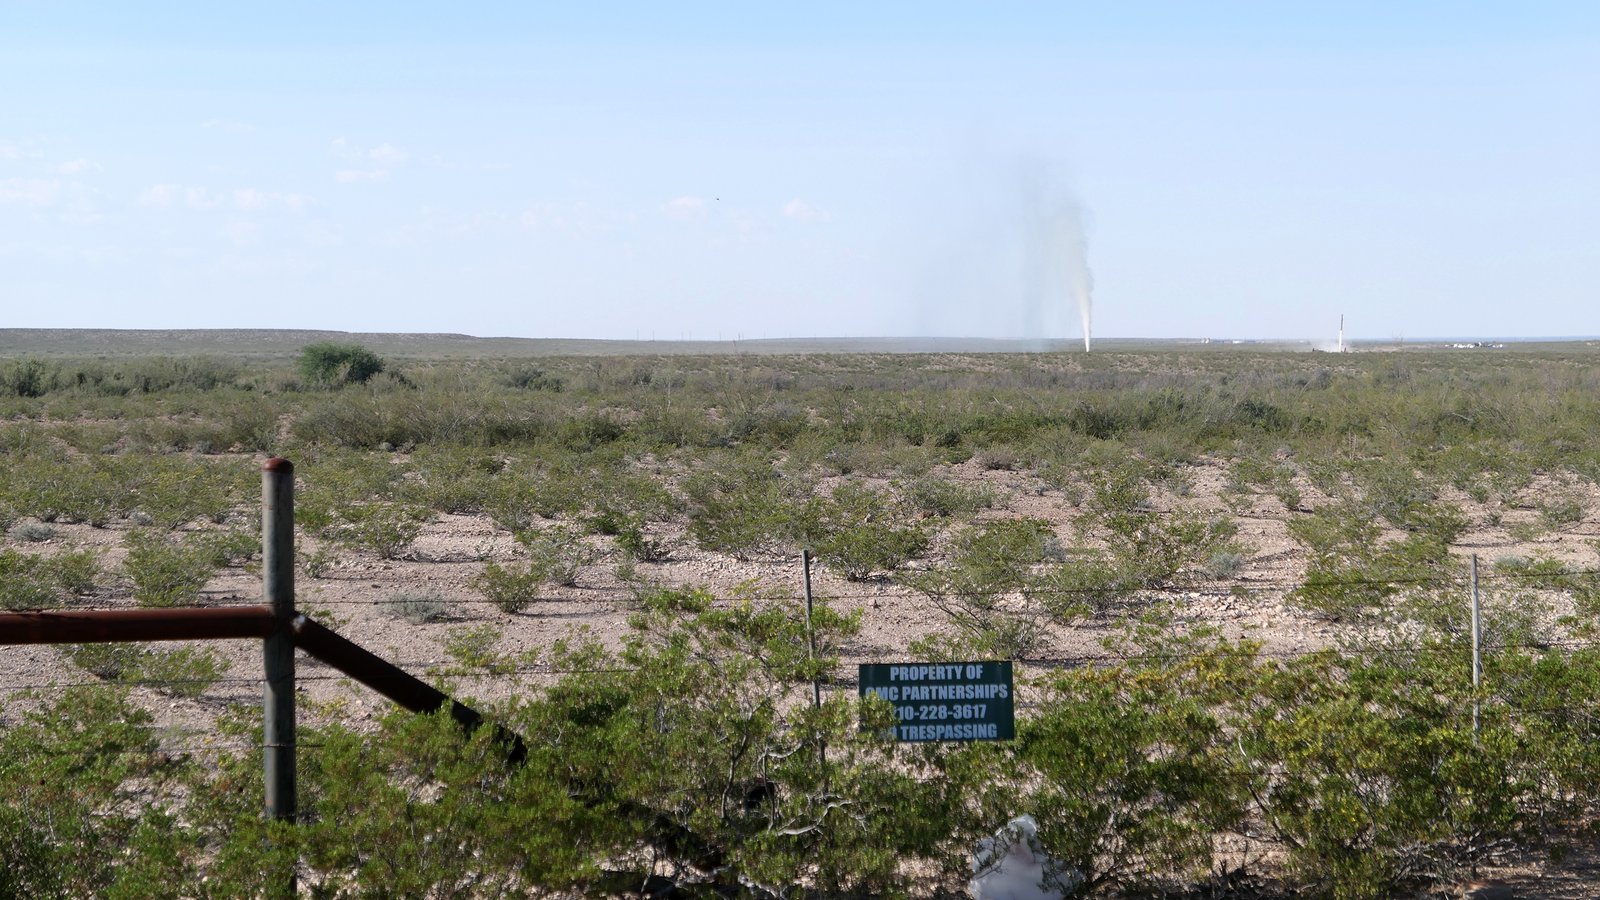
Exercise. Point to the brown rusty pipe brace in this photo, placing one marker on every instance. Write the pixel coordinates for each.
(392, 681)
(120, 625)
(90, 626)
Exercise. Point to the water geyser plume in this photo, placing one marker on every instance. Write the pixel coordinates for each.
(1076, 251)
(1057, 276)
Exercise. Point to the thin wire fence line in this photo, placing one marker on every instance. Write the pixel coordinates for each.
(160, 750)
(1041, 661)
(1216, 588)
(155, 682)
(446, 671)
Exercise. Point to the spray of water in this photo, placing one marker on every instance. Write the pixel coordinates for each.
(1075, 251)
(1057, 275)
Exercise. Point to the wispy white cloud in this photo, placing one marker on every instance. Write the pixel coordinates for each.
(352, 176)
(801, 211)
(684, 208)
(171, 196)
(252, 200)
(574, 218)
(228, 126)
(242, 233)
(388, 155)
(30, 191)
(78, 166)
(81, 205)
(367, 165)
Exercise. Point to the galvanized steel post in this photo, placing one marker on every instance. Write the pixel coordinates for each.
(1477, 650)
(277, 552)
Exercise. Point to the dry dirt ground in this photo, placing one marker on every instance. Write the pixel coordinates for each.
(355, 595)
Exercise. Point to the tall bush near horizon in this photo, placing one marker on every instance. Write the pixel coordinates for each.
(333, 365)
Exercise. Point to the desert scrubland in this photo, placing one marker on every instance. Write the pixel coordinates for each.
(1235, 582)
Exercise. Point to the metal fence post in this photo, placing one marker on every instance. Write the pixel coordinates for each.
(1477, 649)
(277, 563)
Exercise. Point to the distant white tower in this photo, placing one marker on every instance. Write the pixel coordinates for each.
(1341, 334)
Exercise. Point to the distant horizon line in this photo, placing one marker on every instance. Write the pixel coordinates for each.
(1067, 340)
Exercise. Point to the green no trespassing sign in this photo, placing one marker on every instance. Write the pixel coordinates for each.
(972, 701)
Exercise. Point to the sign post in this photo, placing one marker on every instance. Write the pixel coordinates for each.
(965, 701)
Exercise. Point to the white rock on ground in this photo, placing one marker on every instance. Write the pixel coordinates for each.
(1012, 865)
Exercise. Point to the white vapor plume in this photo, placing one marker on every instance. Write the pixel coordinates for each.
(1057, 261)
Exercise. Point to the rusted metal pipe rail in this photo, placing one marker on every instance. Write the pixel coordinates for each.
(94, 626)
(392, 681)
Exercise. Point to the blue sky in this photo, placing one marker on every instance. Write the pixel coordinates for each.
(1244, 170)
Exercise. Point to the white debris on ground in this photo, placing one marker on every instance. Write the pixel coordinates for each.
(1012, 865)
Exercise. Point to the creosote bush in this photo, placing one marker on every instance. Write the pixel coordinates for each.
(29, 581)
(418, 607)
(184, 672)
(332, 364)
(384, 529)
(511, 587)
(165, 572)
(861, 532)
(986, 588)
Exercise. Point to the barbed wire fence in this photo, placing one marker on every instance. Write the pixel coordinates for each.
(522, 675)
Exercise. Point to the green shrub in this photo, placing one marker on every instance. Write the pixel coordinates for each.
(318, 562)
(640, 546)
(1351, 573)
(186, 672)
(473, 647)
(1369, 774)
(1562, 509)
(76, 782)
(557, 488)
(27, 378)
(557, 554)
(1144, 548)
(1126, 776)
(418, 607)
(386, 529)
(180, 491)
(990, 565)
(453, 480)
(948, 498)
(744, 508)
(41, 582)
(22, 585)
(855, 530)
(510, 588)
(166, 573)
(529, 378)
(334, 364)
(233, 547)
(111, 661)
(75, 571)
(32, 532)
